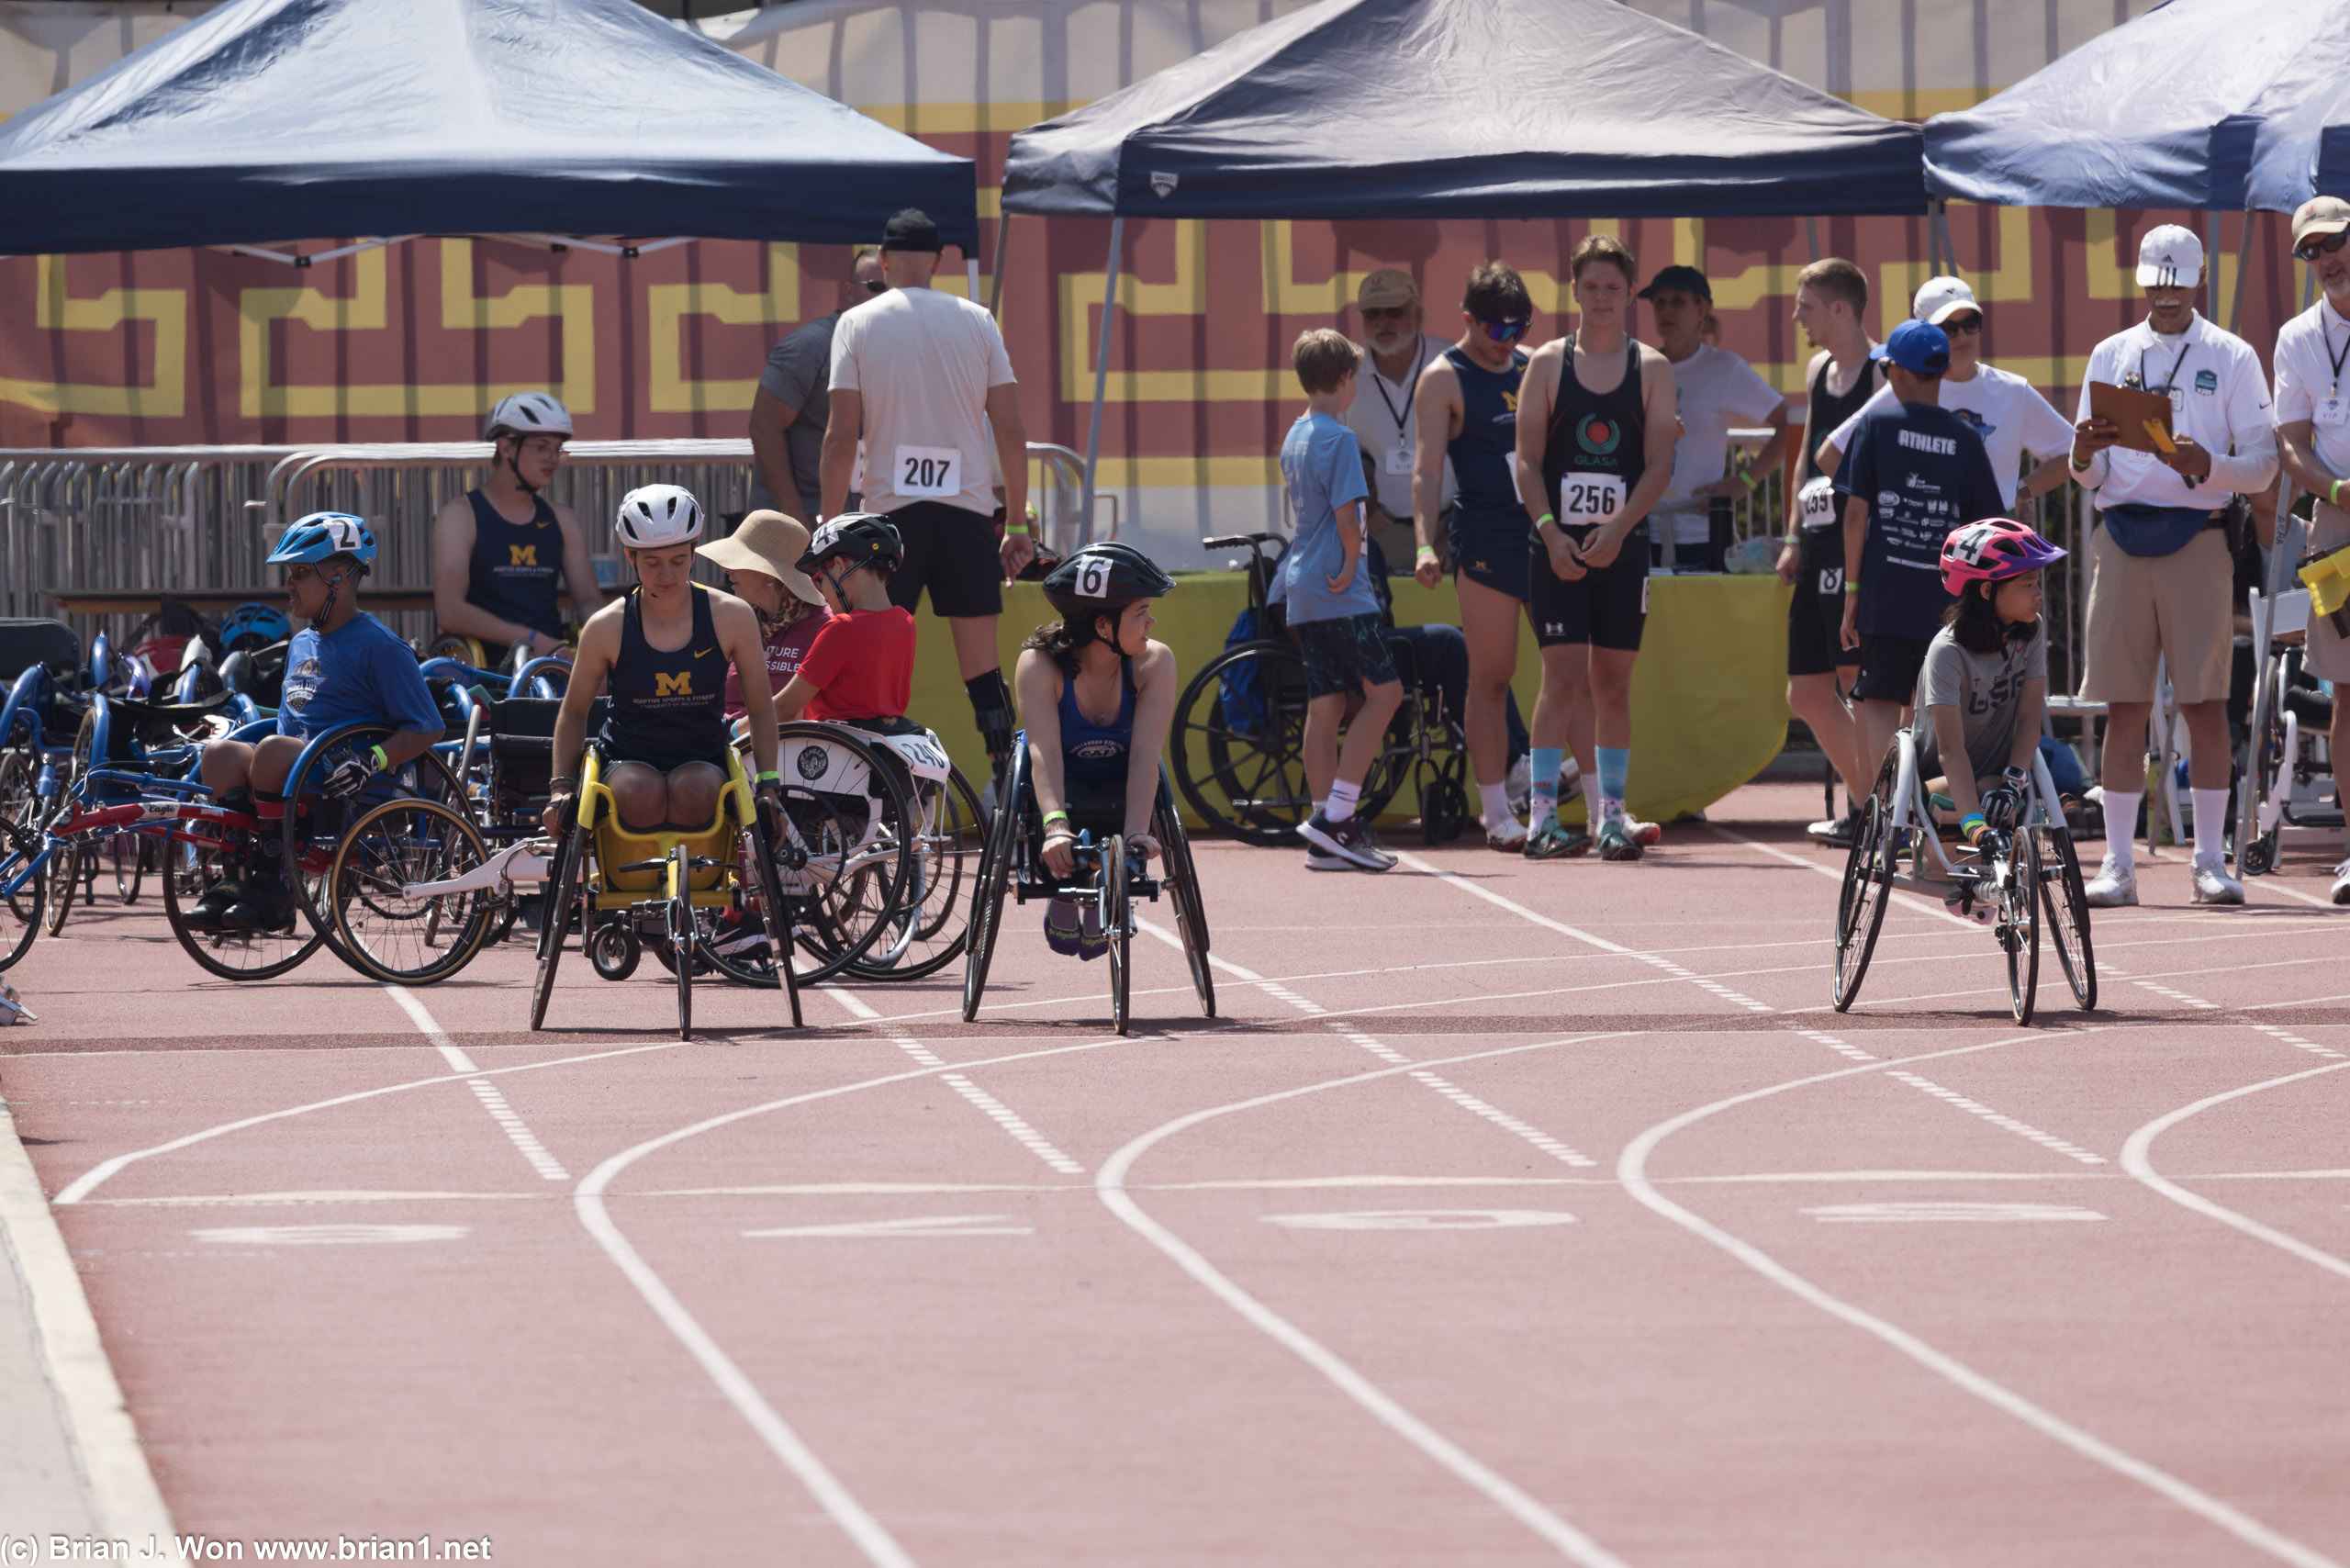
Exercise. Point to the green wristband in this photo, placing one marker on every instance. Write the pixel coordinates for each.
(1970, 821)
(1546, 516)
(2334, 494)
(767, 777)
(1851, 588)
(383, 758)
(1052, 817)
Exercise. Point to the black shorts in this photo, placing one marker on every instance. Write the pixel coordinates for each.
(1889, 668)
(1339, 655)
(1491, 550)
(1816, 620)
(952, 553)
(1606, 608)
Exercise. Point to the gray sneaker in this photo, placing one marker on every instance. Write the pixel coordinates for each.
(2113, 887)
(2212, 883)
(1344, 842)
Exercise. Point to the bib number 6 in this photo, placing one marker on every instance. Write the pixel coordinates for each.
(1093, 578)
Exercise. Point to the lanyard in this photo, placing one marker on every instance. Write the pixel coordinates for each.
(2170, 382)
(2325, 335)
(1410, 383)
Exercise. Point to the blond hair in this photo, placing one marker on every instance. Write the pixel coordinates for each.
(1833, 279)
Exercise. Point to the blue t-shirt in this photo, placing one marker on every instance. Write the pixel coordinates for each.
(1923, 472)
(1322, 465)
(362, 672)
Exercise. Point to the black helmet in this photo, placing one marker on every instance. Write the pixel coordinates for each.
(864, 537)
(1102, 579)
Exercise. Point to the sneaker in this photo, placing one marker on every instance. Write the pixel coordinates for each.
(1346, 841)
(1519, 785)
(1091, 940)
(1554, 840)
(1835, 833)
(267, 905)
(2113, 887)
(208, 912)
(1062, 933)
(2212, 883)
(1647, 835)
(1616, 843)
(738, 933)
(1510, 837)
(1570, 780)
(2342, 883)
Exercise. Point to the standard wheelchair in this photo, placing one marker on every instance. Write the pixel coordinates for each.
(1013, 863)
(2027, 875)
(1238, 747)
(2292, 795)
(703, 900)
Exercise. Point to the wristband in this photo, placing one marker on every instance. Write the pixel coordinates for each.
(383, 758)
(1546, 516)
(1851, 588)
(2082, 463)
(1968, 823)
(556, 786)
(769, 777)
(1424, 552)
(1052, 817)
(1790, 538)
(1753, 484)
(1015, 530)
(2334, 494)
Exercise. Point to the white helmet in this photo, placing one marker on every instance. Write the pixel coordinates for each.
(528, 413)
(655, 517)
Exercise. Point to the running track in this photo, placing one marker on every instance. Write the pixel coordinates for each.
(1512, 1214)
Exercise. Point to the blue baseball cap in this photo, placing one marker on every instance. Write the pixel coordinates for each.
(1919, 347)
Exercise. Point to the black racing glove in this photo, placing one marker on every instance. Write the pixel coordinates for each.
(350, 776)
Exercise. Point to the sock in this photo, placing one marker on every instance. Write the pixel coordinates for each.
(2210, 824)
(1496, 801)
(1340, 806)
(1542, 764)
(1615, 762)
(2121, 825)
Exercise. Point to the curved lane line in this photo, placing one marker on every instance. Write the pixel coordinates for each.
(1631, 1168)
(2136, 1160)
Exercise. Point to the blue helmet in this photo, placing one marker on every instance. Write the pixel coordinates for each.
(264, 623)
(323, 535)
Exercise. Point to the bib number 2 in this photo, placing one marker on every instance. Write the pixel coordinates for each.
(933, 471)
(1590, 497)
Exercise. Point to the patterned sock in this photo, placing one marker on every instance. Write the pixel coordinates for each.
(1615, 762)
(1340, 806)
(1543, 763)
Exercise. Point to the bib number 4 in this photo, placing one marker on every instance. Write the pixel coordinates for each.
(933, 471)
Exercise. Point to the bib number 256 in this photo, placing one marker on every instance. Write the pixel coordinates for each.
(1593, 500)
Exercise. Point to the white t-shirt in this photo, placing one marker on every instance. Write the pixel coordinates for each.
(2010, 416)
(1385, 422)
(1717, 392)
(2310, 387)
(923, 362)
(2216, 395)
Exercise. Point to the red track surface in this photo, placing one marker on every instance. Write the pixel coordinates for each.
(1571, 1226)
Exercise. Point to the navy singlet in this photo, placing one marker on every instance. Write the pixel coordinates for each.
(667, 708)
(515, 565)
(1091, 752)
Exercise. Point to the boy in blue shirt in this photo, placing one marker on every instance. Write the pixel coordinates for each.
(1333, 608)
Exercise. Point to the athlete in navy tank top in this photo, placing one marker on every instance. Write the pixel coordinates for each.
(515, 567)
(668, 706)
(496, 579)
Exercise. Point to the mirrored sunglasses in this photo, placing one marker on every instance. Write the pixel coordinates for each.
(1503, 329)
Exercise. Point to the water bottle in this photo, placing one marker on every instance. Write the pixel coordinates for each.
(1718, 535)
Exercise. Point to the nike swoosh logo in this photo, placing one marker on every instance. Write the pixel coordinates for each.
(704, 653)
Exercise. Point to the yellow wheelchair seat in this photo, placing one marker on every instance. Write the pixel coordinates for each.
(631, 866)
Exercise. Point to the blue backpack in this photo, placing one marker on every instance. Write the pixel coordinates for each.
(1241, 700)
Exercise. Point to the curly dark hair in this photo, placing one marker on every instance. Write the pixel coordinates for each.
(1060, 642)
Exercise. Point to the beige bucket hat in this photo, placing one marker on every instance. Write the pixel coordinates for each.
(767, 541)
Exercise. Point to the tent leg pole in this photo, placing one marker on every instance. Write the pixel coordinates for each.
(995, 289)
(1811, 236)
(971, 279)
(1102, 370)
(2244, 265)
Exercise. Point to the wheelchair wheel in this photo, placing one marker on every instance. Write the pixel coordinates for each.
(678, 920)
(563, 896)
(1118, 924)
(776, 914)
(989, 889)
(314, 828)
(19, 916)
(20, 807)
(613, 949)
(128, 852)
(1183, 882)
(387, 935)
(2019, 923)
(1867, 888)
(2065, 906)
(455, 645)
(65, 876)
(1238, 747)
(847, 862)
(928, 930)
(196, 861)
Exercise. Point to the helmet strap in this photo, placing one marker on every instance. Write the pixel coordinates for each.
(514, 464)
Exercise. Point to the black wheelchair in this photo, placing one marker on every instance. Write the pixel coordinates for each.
(1012, 862)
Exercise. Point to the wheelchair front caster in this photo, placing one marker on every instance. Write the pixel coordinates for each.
(614, 950)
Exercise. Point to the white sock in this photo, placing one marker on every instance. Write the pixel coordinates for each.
(1340, 806)
(1495, 797)
(2120, 823)
(2210, 824)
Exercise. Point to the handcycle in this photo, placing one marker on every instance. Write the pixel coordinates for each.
(1109, 875)
(2026, 875)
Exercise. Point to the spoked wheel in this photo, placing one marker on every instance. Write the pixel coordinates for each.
(2066, 905)
(1183, 882)
(128, 852)
(679, 921)
(1238, 747)
(563, 898)
(20, 915)
(2019, 925)
(989, 889)
(927, 932)
(386, 934)
(68, 868)
(847, 862)
(776, 914)
(315, 824)
(20, 807)
(194, 861)
(1117, 923)
(1868, 888)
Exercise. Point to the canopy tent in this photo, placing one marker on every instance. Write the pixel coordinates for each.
(2302, 147)
(277, 119)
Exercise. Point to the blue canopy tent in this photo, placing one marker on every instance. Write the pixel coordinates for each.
(2302, 147)
(281, 119)
(1460, 108)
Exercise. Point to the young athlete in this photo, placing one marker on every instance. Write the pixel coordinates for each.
(500, 550)
(760, 559)
(1595, 434)
(1096, 695)
(861, 666)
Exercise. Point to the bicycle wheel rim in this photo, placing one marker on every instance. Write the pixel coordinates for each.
(388, 937)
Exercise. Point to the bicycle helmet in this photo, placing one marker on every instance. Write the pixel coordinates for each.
(657, 516)
(1102, 579)
(527, 413)
(253, 625)
(1991, 551)
(863, 538)
(322, 535)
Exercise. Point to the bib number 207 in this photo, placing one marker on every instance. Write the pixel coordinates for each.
(934, 471)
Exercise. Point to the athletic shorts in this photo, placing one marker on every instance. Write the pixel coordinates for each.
(1492, 550)
(1889, 668)
(2327, 655)
(1816, 620)
(2176, 608)
(1343, 654)
(952, 553)
(1606, 608)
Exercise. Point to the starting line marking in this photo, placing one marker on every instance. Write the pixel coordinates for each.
(1998, 1119)
(1864, 1214)
(926, 1224)
(1503, 1120)
(328, 1235)
(1421, 1219)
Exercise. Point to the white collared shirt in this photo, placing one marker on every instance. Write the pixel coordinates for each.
(2307, 379)
(1384, 420)
(2217, 395)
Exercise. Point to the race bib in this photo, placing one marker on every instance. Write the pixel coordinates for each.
(1399, 461)
(934, 471)
(2332, 414)
(1816, 503)
(1590, 497)
(1831, 582)
(1094, 577)
(923, 756)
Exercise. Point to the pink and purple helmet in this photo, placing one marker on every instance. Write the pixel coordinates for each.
(1991, 551)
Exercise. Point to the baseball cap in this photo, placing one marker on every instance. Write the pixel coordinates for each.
(1941, 298)
(1387, 287)
(1919, 347)
(2169, 257)
(2321, 215)
(1688, 279)
(909, 228)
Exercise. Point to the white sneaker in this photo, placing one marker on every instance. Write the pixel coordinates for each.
(2342, 883)
(1519, 787)
(2212, 883)
(1570, 780)
(2113, 886)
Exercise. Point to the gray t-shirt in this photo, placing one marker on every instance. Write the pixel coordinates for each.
(1986, 689)
(799, 371)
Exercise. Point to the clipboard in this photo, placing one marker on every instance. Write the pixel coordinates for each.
(2137, 415)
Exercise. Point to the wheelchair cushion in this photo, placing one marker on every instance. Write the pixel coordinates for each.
(25, 642)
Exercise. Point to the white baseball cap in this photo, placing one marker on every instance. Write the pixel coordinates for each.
(1941, 298)
(2169, 257)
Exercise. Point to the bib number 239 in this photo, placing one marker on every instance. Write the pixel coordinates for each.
(936, 470)
(1590, 497)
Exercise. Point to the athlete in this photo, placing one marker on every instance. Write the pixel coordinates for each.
(861, 666)
(761, 559)
(1466, 413)
(664, 649)
(345, 666)
(1596, 425)
(1096, 694)
(500, 550)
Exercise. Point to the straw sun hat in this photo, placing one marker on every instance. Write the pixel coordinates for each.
(769, 542)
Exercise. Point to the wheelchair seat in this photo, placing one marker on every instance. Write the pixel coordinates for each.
(27, 642)
(629, 863)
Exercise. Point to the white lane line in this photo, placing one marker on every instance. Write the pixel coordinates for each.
(120, 1491)
(1906, 900)
(1274, 989)
(865, 1013)
(1999, 1119)
(1839, 1046)
(2178, 996)
(1503, 1120)
(2288, 1038)
(1003, 1115)
(512, 1124)
(1678, 971)
(1631, 1168)
(1384, 1052)
(2137, 1160)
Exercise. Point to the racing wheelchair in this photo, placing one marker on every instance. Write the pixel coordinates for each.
(2290, 792)
(2026, 876)
(1108, 875)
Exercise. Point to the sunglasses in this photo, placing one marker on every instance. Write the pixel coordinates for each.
(2311, 250)
(1503, 329)
(1385, 312)
(1958, 324)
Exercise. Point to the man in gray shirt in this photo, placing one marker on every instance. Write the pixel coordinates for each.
(794, 399)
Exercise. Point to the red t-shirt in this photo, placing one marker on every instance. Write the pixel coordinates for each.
(784, 650)
(862, 665)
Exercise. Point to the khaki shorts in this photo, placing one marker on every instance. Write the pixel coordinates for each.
(2326, 655)
(2176, 608)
